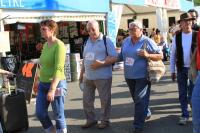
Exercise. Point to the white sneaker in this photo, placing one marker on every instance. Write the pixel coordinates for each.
(183, 121)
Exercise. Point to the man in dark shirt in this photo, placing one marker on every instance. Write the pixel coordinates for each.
(195, 15)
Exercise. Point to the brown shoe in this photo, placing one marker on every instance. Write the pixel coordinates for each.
(89, 124)
(103, 124)
(53, 130)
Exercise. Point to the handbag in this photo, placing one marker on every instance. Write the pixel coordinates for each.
(156, 69)
(192, 72)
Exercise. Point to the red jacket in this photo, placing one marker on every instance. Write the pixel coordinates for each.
(198, 52)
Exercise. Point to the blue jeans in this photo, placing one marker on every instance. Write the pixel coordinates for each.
(140, 92)
(185, 91)
(42, 105)
(196, 105)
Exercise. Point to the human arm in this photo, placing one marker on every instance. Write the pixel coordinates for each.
(82, 72)
(6, 72)
(172, 60)
(58, 70)
(150, 50)
(147, 55)
(110, 58)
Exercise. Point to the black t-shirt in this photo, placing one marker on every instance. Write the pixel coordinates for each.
(195, 27)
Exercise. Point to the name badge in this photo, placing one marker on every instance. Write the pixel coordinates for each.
(89, 56)
(129, 61)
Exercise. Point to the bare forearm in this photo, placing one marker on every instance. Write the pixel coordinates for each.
(155, 56)
(54, 84)
(110, 60)
(4, 72)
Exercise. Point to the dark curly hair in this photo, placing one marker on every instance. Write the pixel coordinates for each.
(193, 10)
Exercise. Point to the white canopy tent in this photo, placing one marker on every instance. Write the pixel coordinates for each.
(158, 10)
(24, 16)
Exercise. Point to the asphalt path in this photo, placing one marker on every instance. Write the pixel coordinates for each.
(164, 105)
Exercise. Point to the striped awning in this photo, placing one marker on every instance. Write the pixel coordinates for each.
(37, 16)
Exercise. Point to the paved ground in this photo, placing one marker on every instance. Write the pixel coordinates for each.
(164, 106)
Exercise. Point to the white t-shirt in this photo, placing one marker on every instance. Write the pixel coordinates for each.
(186, 44)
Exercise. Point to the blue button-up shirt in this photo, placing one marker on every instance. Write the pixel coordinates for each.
(135, 66)
(97, 51)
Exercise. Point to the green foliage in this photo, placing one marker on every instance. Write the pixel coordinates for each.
(196, 2)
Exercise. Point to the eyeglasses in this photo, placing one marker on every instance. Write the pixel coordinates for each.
(132, 29)
(43, 29)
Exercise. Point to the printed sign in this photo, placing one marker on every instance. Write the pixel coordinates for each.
(59, 5)
(5, 41)
(173, 4)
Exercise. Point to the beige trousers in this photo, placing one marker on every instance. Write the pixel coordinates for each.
(104, 89)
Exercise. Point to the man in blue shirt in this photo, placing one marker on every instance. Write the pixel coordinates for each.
(136, 50)
(98, 58)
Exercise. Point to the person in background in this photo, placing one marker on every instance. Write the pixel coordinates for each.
(195, 15)
(165, 49)
(153, 32)
(135, 70)
(145, 32)
(183, 44)
(157, 37)
(52, 85)
(196, 93)
(97, 66)
(9, 74)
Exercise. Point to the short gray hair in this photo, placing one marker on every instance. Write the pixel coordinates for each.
(92, 22)
(136, 23)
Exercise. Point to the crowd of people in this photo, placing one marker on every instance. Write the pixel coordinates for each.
(135, 57)
(98, 57)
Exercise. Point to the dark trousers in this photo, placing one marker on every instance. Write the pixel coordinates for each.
(185, 87)
(140, 92)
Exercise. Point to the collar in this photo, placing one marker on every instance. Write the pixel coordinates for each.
(99, 38)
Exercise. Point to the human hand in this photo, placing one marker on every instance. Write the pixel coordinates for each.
(143, 53)
(173, 76)
(97, 64)
(50, 95)
(9, 73)
(81, 77)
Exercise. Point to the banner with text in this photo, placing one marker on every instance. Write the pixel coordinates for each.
(172, 4)
(59, 5)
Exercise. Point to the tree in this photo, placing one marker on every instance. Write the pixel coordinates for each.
(197, 2)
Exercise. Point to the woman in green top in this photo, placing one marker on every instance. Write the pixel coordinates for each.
(52, 86)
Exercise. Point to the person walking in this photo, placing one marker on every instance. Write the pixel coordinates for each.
(196, 93)
(98, 56)
(195, 15)
(52, 85)
(183, 44)
(135, 70)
